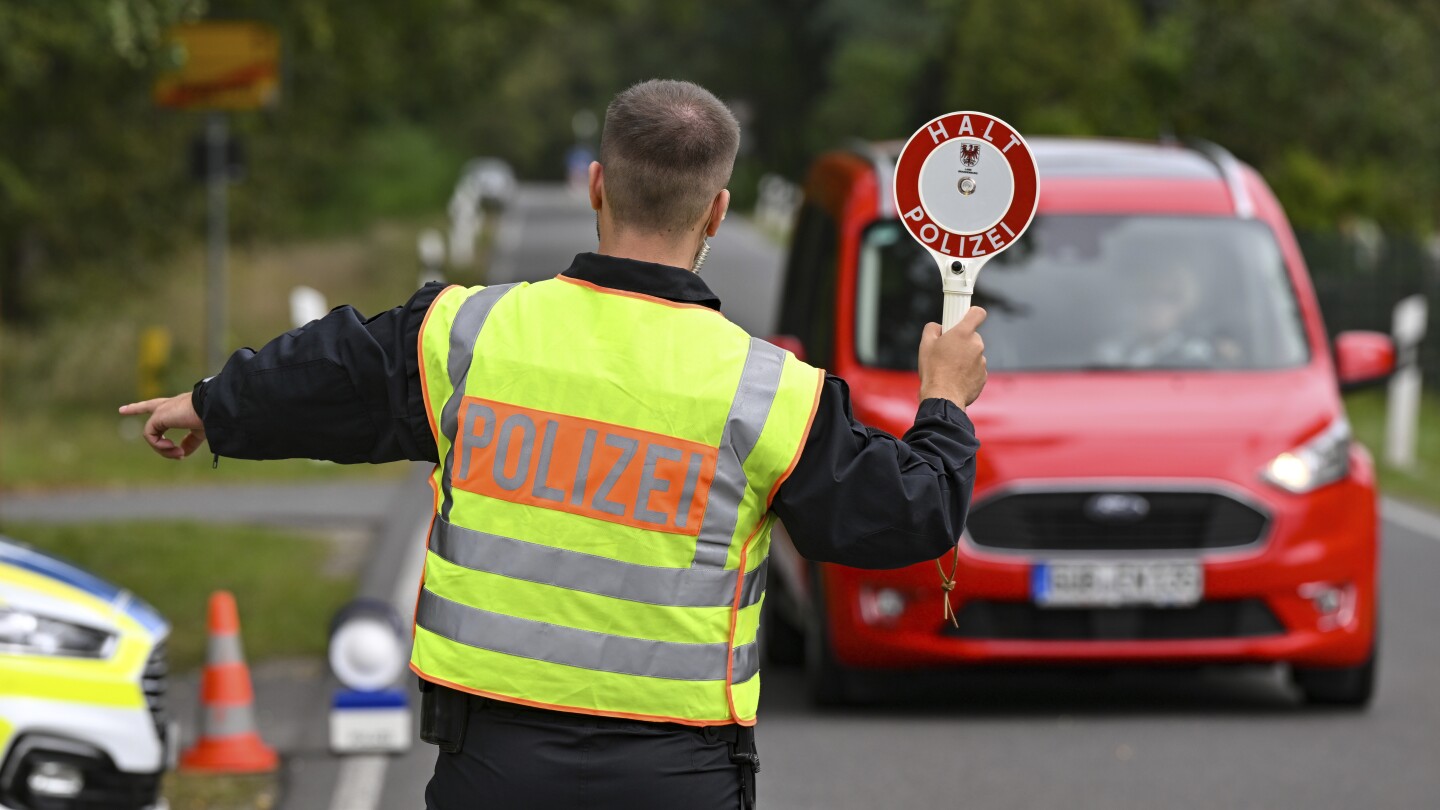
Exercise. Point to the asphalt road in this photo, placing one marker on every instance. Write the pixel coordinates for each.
(550, 225)
(1221, 739)
(1206, 739)
(354, 504)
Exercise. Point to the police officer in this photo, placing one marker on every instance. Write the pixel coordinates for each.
(611, 454)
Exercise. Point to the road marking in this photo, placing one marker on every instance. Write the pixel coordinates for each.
(1412, 518)
(359, 783)
(407, 583)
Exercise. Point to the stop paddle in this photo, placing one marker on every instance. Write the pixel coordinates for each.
(966, 188)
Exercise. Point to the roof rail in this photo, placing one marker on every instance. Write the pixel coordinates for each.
(884, 173)
(1229, 167)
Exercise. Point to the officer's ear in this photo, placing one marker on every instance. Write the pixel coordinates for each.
(597, 185)
(718, 207)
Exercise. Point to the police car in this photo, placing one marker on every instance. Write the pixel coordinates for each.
(82, 686)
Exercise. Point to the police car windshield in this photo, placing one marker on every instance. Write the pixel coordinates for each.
(1096, 292)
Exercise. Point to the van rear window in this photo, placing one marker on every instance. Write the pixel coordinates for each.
(1096, 292)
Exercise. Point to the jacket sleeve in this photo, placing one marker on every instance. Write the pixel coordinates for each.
(863, 498)
(342, 389)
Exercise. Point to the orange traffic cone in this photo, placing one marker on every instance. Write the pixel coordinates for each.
(228, 740)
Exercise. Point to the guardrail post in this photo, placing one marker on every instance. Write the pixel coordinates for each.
(217, 180)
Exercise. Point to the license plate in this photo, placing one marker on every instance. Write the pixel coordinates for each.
(1113, 584)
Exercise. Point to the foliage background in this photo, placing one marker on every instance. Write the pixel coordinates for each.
(1333, 100)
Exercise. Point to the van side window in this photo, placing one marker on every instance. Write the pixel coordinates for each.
(808, 311)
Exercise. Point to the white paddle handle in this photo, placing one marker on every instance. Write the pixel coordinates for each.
(956, 303)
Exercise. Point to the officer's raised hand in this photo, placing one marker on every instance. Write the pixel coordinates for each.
(952, 364)
(170, 413)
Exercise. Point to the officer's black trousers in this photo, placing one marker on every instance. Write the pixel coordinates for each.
(516, 758)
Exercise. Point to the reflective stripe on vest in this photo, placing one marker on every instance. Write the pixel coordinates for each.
(571, 483)
(463, 333)
(576, 571)
(758, 384)
(581, 648)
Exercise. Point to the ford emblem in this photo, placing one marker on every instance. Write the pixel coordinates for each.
(1117, 507)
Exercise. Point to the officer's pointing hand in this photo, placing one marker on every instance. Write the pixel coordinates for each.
(170, 413)
(952, 364)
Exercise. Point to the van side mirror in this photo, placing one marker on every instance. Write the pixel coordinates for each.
(789, 343)
(1363, 358)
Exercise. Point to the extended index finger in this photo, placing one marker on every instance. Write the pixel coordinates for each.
(147, 406)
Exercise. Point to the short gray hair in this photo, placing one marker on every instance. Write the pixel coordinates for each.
(668, 148)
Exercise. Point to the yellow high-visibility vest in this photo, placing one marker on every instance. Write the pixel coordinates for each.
(602, 523)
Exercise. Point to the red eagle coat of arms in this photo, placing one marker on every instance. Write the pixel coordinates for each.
(969, 154)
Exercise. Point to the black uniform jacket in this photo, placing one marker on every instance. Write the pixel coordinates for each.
(348, 389)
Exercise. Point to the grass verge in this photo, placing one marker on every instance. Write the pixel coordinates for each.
(188, 791)
(281, 581)
(1367, 417)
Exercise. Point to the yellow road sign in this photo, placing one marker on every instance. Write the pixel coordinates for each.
(223, 66)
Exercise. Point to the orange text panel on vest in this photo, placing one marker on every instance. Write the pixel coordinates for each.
(582, 466)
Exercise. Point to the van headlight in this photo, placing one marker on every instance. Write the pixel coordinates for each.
(29, 633)
(1320, 461)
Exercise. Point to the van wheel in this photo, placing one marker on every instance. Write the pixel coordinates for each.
(827, 679)
(781, 639)
(1337, 686)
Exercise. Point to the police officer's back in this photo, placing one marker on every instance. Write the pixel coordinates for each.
(611, 454)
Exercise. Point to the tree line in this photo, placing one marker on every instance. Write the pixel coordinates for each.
(1333, 100)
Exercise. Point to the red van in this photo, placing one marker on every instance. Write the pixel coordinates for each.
(1166, 473)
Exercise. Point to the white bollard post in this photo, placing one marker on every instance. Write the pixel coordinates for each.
(1402, 405)
(464, 220)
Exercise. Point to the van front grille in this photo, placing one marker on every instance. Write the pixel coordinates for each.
(1024, 621)
(1114, 520)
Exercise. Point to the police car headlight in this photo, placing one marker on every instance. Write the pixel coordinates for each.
(30, 633)
(1320, 461)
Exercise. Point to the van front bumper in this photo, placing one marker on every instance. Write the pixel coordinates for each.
(1260, 605)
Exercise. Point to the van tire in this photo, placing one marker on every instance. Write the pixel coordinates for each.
(827, 680)
(782, 638)
(1351, 687)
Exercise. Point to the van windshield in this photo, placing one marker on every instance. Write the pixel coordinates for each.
(1096, 292)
